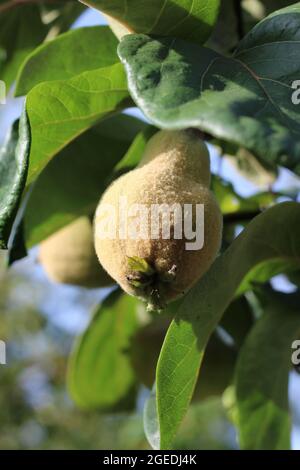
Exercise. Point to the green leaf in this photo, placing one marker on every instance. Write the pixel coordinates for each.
(68, 55)
(136, 150)
(13, 170)
(187, 19)
(224, 37)
(217, 370)
(230, 202)
(262, 374)
(60, 111)
(17, 247)
(237, 321)
(267, 269)
(294, 277)
(21, 29)
(275, 234)
(72, 183)
(100, 374)
(245, 99)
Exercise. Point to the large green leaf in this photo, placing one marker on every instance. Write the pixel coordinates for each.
(100, 374)
(218, 366)
(59, 111)
(13, 170)
(245, 99)
(262, 374)
(273, 235)
(60, 195)
(68, 55)
(187, 19)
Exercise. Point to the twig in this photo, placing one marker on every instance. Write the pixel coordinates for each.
(236, 217)
(239, 17)
(15, 3)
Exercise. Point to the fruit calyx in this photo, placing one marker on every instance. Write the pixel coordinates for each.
(149, 282)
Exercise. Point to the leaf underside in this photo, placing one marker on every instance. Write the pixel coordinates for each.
(187, 19)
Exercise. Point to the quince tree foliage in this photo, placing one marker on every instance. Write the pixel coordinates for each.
(227, 73)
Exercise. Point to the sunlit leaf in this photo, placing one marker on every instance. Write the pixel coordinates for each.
(68, 55)
(188, 19)
(274, 235)
(60, 111)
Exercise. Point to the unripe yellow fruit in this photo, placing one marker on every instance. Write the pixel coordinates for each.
(175, 169)
(68, 256)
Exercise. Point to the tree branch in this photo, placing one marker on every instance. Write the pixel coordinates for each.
(239, 18)
(236, 217)
(15, 3)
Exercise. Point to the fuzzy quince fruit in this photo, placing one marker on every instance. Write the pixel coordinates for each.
(68, 256)
(160, 266)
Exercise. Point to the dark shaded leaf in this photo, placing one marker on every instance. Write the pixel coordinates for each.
(14, 156)
(100, 374)
(17, 249)
(136, 150)
(245, 99)
(262, 375)
(21, 30)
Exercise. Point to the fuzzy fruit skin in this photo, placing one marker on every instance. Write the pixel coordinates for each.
(68, 256)
(175, 168)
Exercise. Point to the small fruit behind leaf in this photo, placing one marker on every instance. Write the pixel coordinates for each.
(68, 256)
(217, 368)
(221, 353)
(173, 173)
